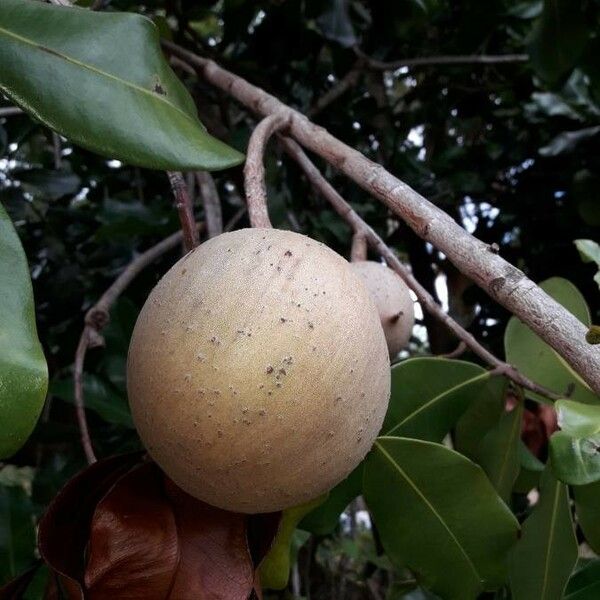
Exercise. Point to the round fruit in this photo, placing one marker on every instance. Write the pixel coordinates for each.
(393, 301)
(258, 373)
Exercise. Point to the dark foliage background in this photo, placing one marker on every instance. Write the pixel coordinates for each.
(509, 150)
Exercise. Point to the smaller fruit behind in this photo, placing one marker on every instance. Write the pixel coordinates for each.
(393, 302)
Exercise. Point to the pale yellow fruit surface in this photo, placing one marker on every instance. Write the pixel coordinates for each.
(393, 301)
(258, 373)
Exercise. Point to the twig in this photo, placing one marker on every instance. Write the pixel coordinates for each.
(235, 219)
(427, 302)
(460, 59)
(341, 87)
(254, 169)
(458, 351)
(96, 320)
(502, 281)
(213, 216)
(10, 111)
(359, 246)
(183, 204)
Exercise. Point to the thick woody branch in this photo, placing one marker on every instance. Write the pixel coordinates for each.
(460, 59)
(254, 169)
(363, 231)
(183, 204)
(97, 318)
(502, 281)
(213, 216)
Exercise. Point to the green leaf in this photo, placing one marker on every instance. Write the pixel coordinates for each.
(430, 394)
(587, 509)
(538, 361)
(439, 516)
(100, 79)
(23, 370)
(99, 397)
(584, 584)
(575, 450)
(481, 417)
(17, 534)
(590, 252)
(545, 555)
(529, 473)
(275, 568)
(558, 39)
(498, 453)
(568, 141)
(325, 517)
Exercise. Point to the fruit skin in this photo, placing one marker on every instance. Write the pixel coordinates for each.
(258, 373)
(393, 301)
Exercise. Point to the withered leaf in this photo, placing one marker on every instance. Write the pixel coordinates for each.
(214, 559)
(133, 546)
(150, 540)
(64, 529)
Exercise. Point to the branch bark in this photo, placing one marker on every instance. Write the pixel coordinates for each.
(361, 228)
(502, 281)
(98, 317)
(213, 216)
(183, 204)
(456, 59)
(254, 169)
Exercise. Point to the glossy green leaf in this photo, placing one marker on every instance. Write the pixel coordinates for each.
(542, 560)
(17, 534)
(584, 584)
(430, 394)
(100, 397)
(540, 362)
(481, 417)
(275, 568)
(587, 509)
(529, 472)
(439, 516)
(23, 370)
(561, 26)
(325, 517)
(589, 252)
(100, 79)
(575, 450)
(498, 452)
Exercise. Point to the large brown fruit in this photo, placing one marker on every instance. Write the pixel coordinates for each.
(258, 373)
(393, 301)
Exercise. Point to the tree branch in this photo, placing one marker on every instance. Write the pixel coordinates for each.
(98, 317)
(340, 88)
(213, 216)
(460, 59)
(183, 204)
(502, 281)
(254, 169)
(361, 228)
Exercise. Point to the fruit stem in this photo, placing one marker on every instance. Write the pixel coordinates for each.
(254, 169)
(359, 247)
